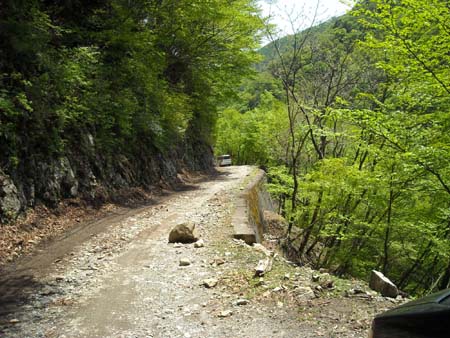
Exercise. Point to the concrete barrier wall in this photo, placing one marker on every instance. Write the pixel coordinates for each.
(248, 216)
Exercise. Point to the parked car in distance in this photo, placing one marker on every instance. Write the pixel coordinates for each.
(427, 317)
(224, 160)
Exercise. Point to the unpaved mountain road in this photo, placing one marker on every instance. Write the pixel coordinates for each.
(126, 280)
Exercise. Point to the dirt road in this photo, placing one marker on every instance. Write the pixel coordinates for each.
(126, 280)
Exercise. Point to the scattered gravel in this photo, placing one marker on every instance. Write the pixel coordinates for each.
(128, 282)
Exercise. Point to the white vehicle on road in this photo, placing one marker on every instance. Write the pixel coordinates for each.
(224, 160)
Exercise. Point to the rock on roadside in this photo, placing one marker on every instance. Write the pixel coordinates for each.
(210, 283)
(382, 284)
(304, 293)
(199, 244)
(185, 262)
(241, 301)
(224, 314)
(183, 233)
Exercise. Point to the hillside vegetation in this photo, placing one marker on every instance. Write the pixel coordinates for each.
(352, 120)
(97, 96)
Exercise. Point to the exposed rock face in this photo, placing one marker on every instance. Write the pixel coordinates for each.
(10, 205)
(85, 171)
(382, 284)
(183, 233)
(56, 180)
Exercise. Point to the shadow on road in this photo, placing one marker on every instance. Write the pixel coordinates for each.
(15, 291)
(19, 280)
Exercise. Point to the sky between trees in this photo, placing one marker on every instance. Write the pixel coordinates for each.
(303, 10)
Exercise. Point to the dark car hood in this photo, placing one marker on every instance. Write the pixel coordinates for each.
(432, 303)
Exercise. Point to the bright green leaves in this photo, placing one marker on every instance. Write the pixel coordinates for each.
(415, 41)
(127, 71)
(360, 162)
(253, 136)
(208, 47)
(415, 38)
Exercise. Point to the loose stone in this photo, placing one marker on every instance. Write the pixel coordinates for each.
(242, 301)
(185, 262)
(226, 313)
(210, 283)
(199, 244)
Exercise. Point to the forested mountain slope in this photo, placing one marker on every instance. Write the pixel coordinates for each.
(352, 120)
(285, 43)
(101, 95)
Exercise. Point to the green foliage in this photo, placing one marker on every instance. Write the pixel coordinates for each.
(363, 166)
(131, 73)
(253, 136)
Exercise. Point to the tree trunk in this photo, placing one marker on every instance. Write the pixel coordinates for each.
(388, 226)
(308, 230)
(445, 281)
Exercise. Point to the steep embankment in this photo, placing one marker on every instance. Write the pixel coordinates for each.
(94, 176)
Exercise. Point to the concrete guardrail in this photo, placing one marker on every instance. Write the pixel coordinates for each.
(248, 216)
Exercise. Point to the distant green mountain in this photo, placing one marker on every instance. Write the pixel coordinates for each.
(351, 29)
